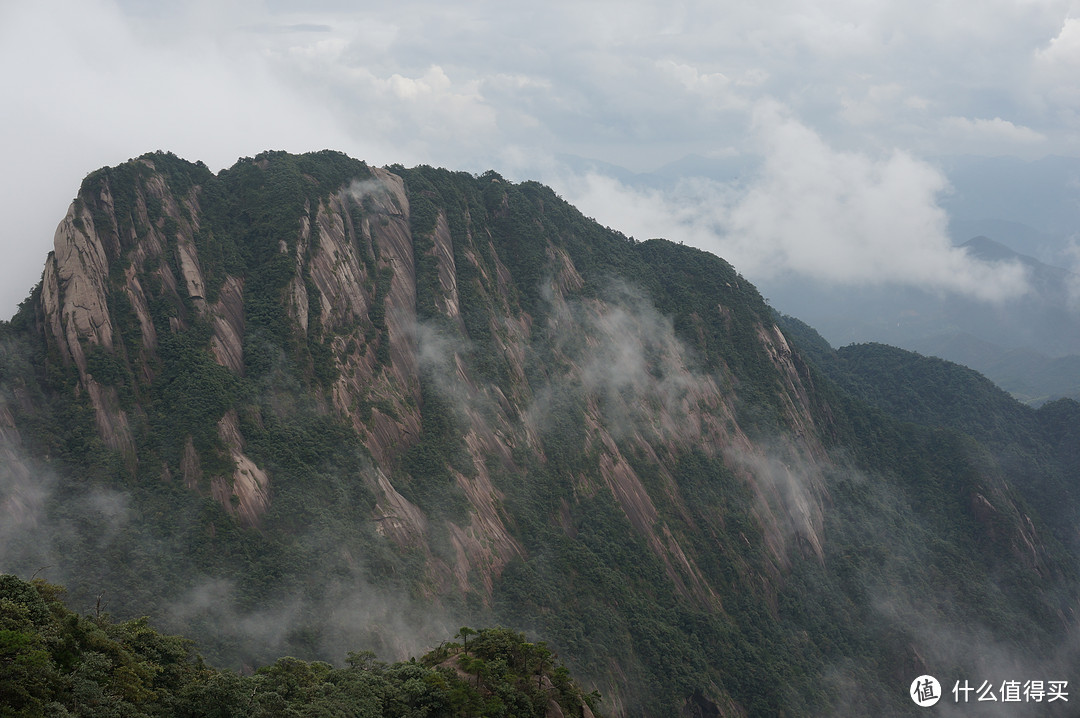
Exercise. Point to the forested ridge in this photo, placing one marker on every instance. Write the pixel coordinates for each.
(55, 663)
(305, 406)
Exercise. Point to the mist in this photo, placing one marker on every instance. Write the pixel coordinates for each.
(924, 617)
(89, 541)
(114, 554)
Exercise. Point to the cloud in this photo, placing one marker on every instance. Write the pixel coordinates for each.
(95, 87)
(1064, 49)
(998, 131)
(632, 360)
(87, 539)
(40, 520)
(461, 84)
(1055, 66)
(1071, 260)
(836, 216)
(340, 615)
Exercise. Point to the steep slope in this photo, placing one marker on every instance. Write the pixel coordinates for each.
(305, 404)
(1025, 444)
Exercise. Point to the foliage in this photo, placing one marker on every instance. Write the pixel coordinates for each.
(54, 662)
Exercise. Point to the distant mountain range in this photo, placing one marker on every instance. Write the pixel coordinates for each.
(1029, 346)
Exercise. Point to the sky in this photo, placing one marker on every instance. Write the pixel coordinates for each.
(841, 105)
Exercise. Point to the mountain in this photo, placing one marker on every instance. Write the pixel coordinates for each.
(1031, 377)
(1054, 286)
(1028, 345)
(307, 406)
(1024, 239)
(1042, 320)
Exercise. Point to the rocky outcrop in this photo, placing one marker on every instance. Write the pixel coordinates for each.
(395, 250)
(485, 546)
(245, 494)
(75, 306)
(443, 251)
(188, 259)
(397, 518)
(227, 342)
(390, 389)
(337, 269)
(190, 466)
(75, 295)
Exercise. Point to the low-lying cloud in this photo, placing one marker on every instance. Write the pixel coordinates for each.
(343, 614)
(810, 209)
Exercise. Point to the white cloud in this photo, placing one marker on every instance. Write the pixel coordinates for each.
(87, 86)
(693, 80)
(1055, 67)
(997, 130)
(840, 217)
(1064, 49)
(878, 104)
(95, 82)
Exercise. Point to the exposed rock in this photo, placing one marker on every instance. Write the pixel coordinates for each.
(137, 297)
(336, 268)
(443, 251)
(74, 299)
(112, 422)
(228, 313)
(8, 431)
(81, 270)
(189, 267)
(247, 494)
(566, 279)
(50, 305)
(553, 710)
(776, 346)
(394, 387)
(297, 296)
(397, 517)
(394, 240)
(189, 465)
(484, 547)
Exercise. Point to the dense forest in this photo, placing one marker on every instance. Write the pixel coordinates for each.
(56, 663)
(309, 407)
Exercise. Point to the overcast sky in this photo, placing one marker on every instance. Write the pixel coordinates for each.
(845, 103)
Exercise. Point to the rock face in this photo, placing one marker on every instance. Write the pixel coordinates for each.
(356, 277)
(110, 262)
(509, 384)
(75, 303)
